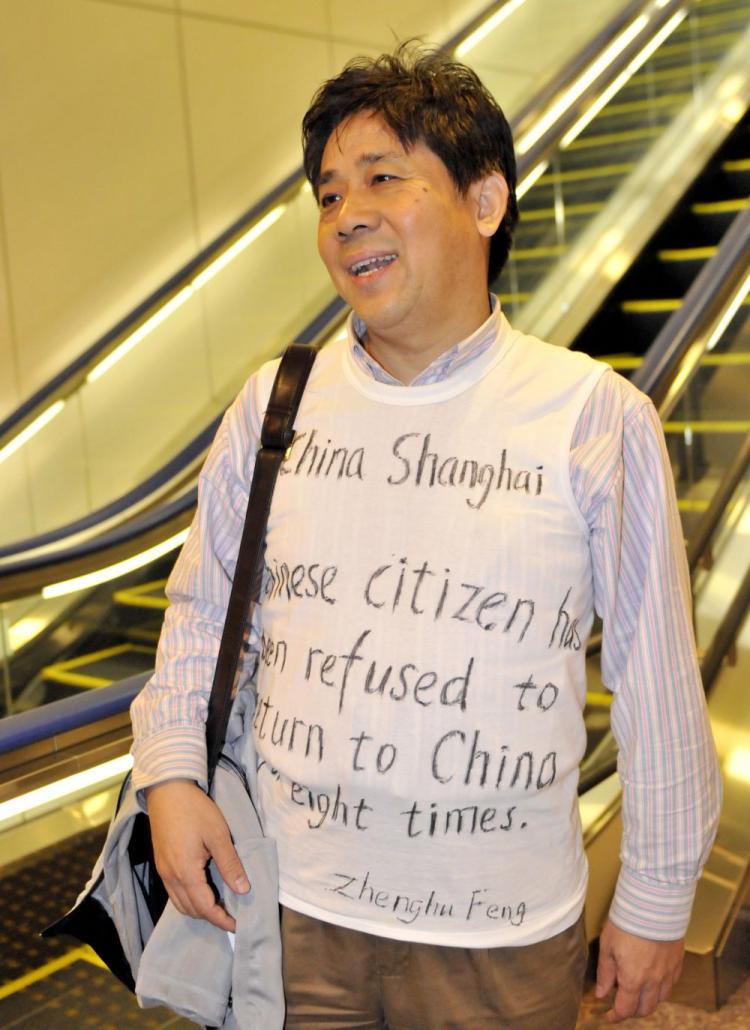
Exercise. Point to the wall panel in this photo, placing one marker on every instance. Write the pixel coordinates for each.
(94, 170)
(248, 89)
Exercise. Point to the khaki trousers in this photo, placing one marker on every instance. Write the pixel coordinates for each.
(334, 977)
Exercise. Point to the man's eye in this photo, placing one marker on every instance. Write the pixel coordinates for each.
(327, 199)
(384, 177)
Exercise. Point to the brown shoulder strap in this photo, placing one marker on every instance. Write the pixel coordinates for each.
(276, 436)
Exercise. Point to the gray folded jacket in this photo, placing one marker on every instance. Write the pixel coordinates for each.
(190, 965)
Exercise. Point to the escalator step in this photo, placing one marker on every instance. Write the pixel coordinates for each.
(687, 254)
(100, 668)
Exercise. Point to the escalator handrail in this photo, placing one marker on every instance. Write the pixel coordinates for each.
(65, 381)
(716, 281)
(170, 471)
(71, 713)
(68, 378)
(123, 504)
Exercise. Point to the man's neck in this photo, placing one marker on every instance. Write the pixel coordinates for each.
(407, 358)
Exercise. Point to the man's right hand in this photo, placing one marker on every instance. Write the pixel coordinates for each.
(188, 829)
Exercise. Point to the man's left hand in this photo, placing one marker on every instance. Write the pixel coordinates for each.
(644, 972)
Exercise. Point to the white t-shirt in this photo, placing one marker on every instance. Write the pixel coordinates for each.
(425, 606)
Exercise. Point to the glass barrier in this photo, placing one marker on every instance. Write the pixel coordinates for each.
(175, 372)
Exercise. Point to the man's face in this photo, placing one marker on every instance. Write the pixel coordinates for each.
(400, 244)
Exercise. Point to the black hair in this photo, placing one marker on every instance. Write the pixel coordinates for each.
(422, 96)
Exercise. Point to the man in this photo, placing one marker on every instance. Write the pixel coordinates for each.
(457, 500)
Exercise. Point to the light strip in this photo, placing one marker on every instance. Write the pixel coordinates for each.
(31, 430)
(488, 26)
(186, 293)
(137, 561)
(534, 176)
(614, 87)
(140, 333)
(581, 84)
(729, 314)
(238, 246)
(62, 790)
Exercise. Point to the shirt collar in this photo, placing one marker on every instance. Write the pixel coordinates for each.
(450, 361)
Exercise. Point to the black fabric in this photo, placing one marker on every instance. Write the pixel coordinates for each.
(89, 921)
(90, 924)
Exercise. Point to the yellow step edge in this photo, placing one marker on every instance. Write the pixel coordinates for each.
(689, 46)
(648, 307)
(598, 699)
(687, 254)
(581, 174)
(688, 504)
(610, 138)
(701, 21)
(83, 954)
(720, 207)
(658, 304)
(137, 597)
(653, 103)
(708, 426)
(530, 253)
(80, 680)
(540, 214)
(64, 672)
(685, 72)
(740, 165)
(725, 359)
(623, 362)
(513, 298)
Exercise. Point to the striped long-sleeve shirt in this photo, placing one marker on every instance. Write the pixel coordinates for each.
(622, 482)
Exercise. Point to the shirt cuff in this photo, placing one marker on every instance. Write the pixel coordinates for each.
(177, 753)
(650, 909)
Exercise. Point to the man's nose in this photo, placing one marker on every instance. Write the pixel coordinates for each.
(356, 214)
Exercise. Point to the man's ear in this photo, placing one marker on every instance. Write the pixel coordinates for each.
(491, 197)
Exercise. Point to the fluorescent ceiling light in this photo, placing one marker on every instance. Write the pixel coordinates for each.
(137, 561)
(28, 805)
(581, 84)
(487, 26)
(31, 430)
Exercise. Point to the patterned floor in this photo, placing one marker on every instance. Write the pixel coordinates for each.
(735, 1015)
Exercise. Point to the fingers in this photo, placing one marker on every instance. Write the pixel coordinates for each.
(606, 973)
(625, 1005)
(228, 863)
(197, 900)
(630, 1003)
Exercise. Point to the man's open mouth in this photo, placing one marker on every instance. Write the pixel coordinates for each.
(369, 265)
